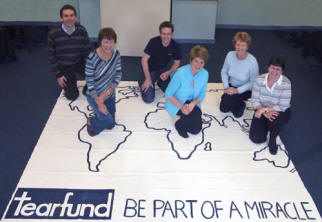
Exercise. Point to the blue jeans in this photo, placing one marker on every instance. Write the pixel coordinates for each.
(100, 121)
(148, 96)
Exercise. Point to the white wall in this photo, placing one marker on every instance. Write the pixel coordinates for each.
(135, 22)
(270, 12)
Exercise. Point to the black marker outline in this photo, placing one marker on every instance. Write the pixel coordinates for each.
(89, 108)
(160, 106)
(272, 161)
(169, 131)
(206, 146)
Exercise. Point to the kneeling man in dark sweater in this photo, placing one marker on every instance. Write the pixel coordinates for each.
(68, 48)
(161, 57)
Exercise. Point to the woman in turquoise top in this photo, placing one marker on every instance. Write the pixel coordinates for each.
(186, 91)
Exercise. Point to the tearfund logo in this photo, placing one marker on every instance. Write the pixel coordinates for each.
(61, 204)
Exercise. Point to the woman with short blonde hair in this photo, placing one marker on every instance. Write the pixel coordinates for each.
(199, 51)
(238, 73)
(186, 91)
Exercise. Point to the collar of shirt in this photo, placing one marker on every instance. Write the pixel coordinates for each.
(67, 31)
(279, 82)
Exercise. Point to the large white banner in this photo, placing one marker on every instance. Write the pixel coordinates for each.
(142, 170)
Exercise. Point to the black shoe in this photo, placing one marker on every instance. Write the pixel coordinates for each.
(182, 133)
(90, 130)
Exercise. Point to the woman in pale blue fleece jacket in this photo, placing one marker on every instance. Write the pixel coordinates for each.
(238, 74)
(186, 91)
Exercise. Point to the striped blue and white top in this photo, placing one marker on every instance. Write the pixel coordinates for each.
(102, 74)
(279, 96)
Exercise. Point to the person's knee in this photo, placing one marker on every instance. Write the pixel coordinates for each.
(148, 96)
(108, 120)
(223, 108)
(239, 109)
(195, 130)
(110, 124)
(163, 84)
(230, 100)
(148, 100)
(257, 138)
(196, 112)
(226, 99)
(102, 117)
(71, 95)
(276, 125)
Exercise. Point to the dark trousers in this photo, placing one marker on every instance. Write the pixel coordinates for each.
(148, 96)
(234, 103)
(191, 123)
(70, 72)
(261, 126)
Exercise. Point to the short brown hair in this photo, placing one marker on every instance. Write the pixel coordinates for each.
(199, 51)
(166, 24)
(243, 37)
(107, 33)
(65, 7)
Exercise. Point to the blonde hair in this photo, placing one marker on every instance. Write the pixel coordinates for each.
(243, 37)
(199, 51)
